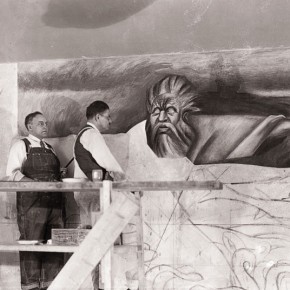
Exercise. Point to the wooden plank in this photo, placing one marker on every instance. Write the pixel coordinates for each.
(49, 186)
(167, 185)
(96, 244)
(13, 247)
(106, 263)
(124, 186)
(140, 245)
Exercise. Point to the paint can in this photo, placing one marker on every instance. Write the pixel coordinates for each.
(97, 175)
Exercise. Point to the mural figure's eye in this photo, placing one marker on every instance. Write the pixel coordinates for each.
(156, 111)
(171, 110)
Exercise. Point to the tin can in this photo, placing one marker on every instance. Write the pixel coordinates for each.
(97, 175)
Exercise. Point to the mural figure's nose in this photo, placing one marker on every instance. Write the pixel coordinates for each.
(162, 116)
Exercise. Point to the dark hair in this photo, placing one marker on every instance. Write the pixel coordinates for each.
(30, 117)
(96, 107)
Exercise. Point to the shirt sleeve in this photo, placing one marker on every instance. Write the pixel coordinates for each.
(17, 155)
(95, 143)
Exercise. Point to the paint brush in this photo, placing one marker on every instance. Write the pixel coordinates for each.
(69, 163)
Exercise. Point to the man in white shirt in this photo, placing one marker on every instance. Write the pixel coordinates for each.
(32, 159)
(91, 152)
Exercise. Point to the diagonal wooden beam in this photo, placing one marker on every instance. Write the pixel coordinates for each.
(106, 263)
(96, 244)
(140, 244)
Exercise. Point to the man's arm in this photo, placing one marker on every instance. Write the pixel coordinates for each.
(94, 142)
(118, 176)
(17, 156)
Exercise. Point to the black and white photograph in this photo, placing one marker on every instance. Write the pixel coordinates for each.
(145, 145)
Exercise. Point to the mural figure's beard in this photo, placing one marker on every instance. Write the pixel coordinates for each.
(167, 140)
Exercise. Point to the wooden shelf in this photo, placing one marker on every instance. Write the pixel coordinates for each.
(15, 247)
(126, 186)
(167, 185)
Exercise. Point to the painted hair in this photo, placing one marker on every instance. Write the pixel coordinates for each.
(30, 117)
(176, 86)
(96, 107)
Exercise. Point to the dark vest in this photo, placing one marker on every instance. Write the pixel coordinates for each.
(86, 161)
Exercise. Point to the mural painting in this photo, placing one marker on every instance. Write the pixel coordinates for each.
(177, 126)
(208, 116)
(211, 108)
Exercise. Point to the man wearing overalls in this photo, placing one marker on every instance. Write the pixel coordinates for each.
(31, 159)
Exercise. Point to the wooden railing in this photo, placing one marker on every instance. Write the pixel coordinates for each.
(126, 186)
(98, 243)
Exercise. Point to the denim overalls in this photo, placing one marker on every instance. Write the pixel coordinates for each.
(37, 214)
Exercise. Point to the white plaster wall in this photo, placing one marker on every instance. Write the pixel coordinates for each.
(51, 29)
(8, 109)
(9, 269)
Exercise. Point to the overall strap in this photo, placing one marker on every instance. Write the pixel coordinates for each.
(48, 145)
(27, 145)
(83, 130)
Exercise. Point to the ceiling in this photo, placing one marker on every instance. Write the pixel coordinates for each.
(58, 29)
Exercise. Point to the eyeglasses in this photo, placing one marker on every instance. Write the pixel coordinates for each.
(107, 117)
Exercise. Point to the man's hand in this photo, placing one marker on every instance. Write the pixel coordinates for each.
(119, 176)
(26, 179)
(63, 172)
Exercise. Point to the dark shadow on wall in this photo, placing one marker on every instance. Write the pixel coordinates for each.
(63, 115)
(91, 14)
(94, 74)
(226, 94)
(120, 83)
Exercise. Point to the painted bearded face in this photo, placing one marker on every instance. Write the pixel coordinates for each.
(167, 133)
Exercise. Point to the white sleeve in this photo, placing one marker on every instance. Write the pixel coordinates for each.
(95, 143)
(17, 155)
